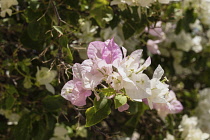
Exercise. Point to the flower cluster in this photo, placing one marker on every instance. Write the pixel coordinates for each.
(143, 3)
(203, 110)
(5, 5)
(189, 129)
(109, 66)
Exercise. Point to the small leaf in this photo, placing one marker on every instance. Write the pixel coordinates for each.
(58, 29)
(34, 30)
(93, 117)
(27, 83)
(52, 103)
(119, 100)
(10, 100)
(107, 91)
(69, 54)
(102, 14)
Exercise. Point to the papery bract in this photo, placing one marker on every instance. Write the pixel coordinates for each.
(153, 47)
(108, 51)
(123, 107)
(158, 88)
(75, 93)
(136, 84)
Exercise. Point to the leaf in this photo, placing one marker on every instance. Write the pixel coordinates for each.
(107, 91)
(10, 100)
(102, 14)
(119, 100)
(63, 41)
(69, 55)
(53, 103)
(11, 89)
(34, 30)
(93, 117)
(43, 129)
(23, 130)
(99, 104)
(27, 83)
(59, 30)
(128, 30)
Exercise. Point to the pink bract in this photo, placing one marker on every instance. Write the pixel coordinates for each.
(108, 51)
(75, 93)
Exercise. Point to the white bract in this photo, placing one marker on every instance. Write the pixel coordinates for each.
(136, 83)
(158, 89)
(189, 129)
(5, 5)
(45, 77)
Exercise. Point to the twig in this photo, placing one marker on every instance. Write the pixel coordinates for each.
(56, 13)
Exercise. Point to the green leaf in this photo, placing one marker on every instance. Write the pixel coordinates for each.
(59, 30)
(52, 103)
(69, 55)
(95, 115)
(100, 104)
(107, 91)
(128, 30)
(10, 100)
(27, 83)
(119, 100)
(23, 130)
(11, 89)
(102, 14)
(63, 41)
(34, 30)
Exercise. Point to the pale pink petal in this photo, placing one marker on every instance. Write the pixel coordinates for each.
(94, 50)
(108, 51)
(77, 71)
(175, 106)
(67, 89)
(75, 93)
(153, 47)
(123, 107)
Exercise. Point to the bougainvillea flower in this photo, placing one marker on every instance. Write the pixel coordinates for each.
(136, 84)
(123, 108)
(158, 89)
(172, 106)
(75, 93)
(152, 46)
(108, 51)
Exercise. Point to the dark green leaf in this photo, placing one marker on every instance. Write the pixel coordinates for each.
(93, 117)
(52, 103)
(10, 100)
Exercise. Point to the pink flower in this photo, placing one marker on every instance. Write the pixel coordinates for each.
(123, 107)
(75, 93)
(156, 30)
(108, 51)
(152, 46)
(172, 107)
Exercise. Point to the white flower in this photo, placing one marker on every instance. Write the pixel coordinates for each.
(5, 5)
(169, 137)
(203, 110)
(159, 90)
(45, 77)
(136, 83)
(60, 133)
(197, 47)
(189, 129)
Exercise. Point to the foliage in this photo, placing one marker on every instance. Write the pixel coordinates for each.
(40, 41)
